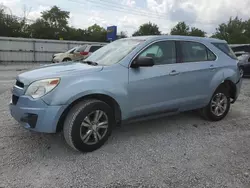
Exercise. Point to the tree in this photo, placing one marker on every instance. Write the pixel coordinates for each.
(235, 31)
(9, 25)
(56, 17)
(247, 30)
(76, 34)
(121, 35)
(53, 24)
(41, 29)
(147, 29)
(96, 33)
(180, 29)
(197, 32)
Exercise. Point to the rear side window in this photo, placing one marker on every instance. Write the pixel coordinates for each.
(195, 52)
(226, 49)
(94, 48)
(81, 49)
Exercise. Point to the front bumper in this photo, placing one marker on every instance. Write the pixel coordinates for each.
(35, 114)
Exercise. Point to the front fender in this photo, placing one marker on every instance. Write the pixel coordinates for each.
(71, 91)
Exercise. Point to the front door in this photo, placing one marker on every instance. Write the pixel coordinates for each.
(156, 88)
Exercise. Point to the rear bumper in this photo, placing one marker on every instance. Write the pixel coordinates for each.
(238, 88)
(36, 115)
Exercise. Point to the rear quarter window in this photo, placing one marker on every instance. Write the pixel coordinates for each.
(226, 49)
(81, 49)
(195, 52)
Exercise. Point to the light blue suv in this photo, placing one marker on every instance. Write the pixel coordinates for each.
(128, 79)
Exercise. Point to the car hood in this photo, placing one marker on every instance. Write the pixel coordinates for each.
(57, 70)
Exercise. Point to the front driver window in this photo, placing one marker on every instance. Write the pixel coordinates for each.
(161, 52)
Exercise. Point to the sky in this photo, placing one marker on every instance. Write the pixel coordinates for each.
(128, 15)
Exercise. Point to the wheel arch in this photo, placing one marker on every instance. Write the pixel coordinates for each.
(66, 58)
(99, 96)
(230, 86)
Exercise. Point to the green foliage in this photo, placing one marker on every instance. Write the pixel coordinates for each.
(121, 35)
(96, 33)
(53, 24)
(56, 18)
(9, 25)
(183, 29)
(180, 29)
(235, 31)
(147, 29)
(197, 32)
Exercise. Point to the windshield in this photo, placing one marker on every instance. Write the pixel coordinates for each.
(114, 51)
(72, 49)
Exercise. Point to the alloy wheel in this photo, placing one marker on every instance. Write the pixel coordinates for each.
(219, 104)
(94, 127)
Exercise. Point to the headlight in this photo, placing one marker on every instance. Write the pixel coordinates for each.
(41, 87)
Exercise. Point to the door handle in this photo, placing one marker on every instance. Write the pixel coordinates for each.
(212, 68)
(174, 72)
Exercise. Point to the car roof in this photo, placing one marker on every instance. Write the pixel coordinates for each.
(177, 37)
(88, 45)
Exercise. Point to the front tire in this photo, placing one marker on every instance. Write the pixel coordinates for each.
(88, 125)
(218, 106)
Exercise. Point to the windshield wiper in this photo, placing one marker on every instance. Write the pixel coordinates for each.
(90, 62)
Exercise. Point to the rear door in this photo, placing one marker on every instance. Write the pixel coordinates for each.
(197, 70)
(78, 52)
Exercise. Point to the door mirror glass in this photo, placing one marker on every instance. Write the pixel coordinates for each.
(143, 62)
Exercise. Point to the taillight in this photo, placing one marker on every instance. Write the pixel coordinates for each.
(84, 53)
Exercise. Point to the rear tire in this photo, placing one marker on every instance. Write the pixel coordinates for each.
(88, 125)
(218, 106)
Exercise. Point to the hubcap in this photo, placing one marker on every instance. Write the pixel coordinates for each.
(219, 104)
(94, 127)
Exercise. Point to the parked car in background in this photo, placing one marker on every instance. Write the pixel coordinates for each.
(244, 64)
(129, 79)
(239, 53)
(76, 53)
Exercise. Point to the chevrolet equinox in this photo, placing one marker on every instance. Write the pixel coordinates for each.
(128, 79)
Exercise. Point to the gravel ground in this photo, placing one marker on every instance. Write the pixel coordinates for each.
(176, 151)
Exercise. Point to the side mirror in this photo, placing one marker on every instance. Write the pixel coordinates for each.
(143, 62)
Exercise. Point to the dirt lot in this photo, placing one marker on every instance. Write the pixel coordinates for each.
(177, 151)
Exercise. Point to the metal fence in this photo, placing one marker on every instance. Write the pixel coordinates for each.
(22, 50)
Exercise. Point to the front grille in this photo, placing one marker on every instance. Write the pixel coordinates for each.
(19, 84)
(14, 99)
